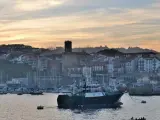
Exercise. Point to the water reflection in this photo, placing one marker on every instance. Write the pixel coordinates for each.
(91, 114)
(92, 111)
(88, 111)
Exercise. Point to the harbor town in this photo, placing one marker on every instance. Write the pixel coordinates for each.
(25, 69)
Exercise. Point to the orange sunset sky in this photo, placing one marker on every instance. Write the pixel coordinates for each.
(115, 23)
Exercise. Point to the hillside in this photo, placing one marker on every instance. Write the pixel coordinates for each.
(110, 52)
(86, 49)
(21, 48)
(30, 49)
(134, 50)
(13, 70)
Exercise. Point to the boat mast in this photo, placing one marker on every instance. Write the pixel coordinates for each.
(1, 77)
(85, 86)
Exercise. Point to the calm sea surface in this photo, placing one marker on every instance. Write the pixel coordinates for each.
(14, 107)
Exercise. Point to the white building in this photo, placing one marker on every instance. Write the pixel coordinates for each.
(110, 67)
(156, 63)
(23, 81)
(87, 72)
(148, 64)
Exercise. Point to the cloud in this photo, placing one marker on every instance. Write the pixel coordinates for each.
(92, 22)
(33, 5)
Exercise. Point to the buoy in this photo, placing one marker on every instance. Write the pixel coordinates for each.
(40, 107)
(143, 101)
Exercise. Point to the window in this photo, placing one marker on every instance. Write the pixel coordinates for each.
(102, 67)
(79, 69)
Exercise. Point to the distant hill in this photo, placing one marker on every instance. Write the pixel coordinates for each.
(28, 49)
(17, 49)
(110, 52)
(90, 49)
(134, 50)
(123, 51)
(86, 49)
(96, 49)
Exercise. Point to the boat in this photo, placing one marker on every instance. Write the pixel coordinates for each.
(36, 92)
(142, 118)
(19, 93)
(143, 101)
(89, 95)
(40, 107)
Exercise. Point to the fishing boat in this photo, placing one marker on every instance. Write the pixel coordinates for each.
(89, 95)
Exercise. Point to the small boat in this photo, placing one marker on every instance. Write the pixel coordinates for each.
(40, 107)
(138, 118)
(36, 92)
(143, 101)
(19, 93)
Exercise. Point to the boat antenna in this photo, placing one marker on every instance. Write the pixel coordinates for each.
(85, 84)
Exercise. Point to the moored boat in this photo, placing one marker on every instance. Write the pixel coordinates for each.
(36, 92)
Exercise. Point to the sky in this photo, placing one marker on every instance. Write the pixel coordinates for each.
(48, 23)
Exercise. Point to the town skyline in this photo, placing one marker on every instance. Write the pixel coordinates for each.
(100, 47)
(48, 23)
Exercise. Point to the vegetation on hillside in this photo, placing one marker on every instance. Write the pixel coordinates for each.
(110, 52)
(9, 70)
